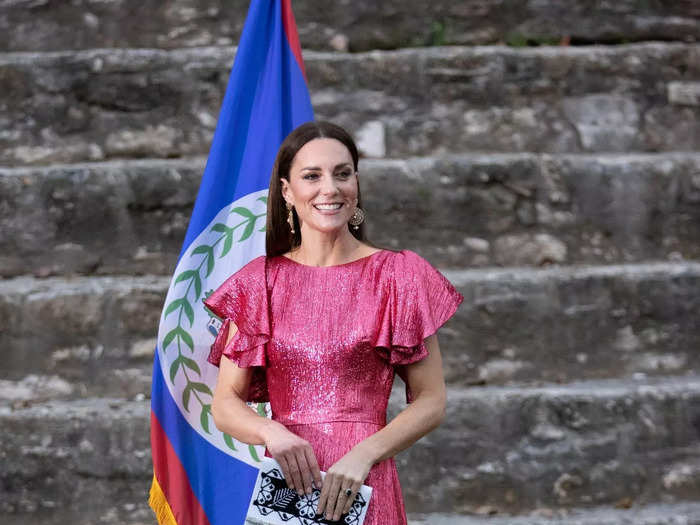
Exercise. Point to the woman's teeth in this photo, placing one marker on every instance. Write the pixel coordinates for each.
(327, 206)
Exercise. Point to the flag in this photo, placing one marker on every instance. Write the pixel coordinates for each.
(200, 475)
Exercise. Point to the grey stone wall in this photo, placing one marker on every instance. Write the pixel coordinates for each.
(474, 210)
(102, 104)
(542, 154)
(360, 25)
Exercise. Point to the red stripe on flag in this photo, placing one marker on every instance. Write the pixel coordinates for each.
(290, 27)
(173, 480)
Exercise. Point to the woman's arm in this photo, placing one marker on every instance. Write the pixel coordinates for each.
(423, 414)
(232, 415)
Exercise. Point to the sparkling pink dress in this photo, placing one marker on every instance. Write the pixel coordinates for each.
(326, 342)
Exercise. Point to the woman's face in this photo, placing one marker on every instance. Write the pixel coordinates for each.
(322, 185)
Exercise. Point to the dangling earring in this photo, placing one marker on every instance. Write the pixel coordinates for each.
(357, 217)
(290, 218)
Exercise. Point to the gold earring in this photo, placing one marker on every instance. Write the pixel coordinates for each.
(290, 218)
(357, 217)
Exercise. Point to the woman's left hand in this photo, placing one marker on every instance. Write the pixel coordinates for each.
(350, 471)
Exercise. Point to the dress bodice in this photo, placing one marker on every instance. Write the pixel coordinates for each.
(326, 341)
(321, 347)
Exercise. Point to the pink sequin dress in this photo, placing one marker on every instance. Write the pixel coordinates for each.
(326, 342)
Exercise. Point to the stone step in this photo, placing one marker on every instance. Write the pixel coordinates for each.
(82, 330)
(90, 454)
(54, 24)
(500, 450)
(656, 514)
(567, 323)
(470, 210)
(124, 383)
(114, 217)
(106, 103)
(516, 324)
(515, 449)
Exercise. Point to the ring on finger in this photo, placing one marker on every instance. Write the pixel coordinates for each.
(348, 492)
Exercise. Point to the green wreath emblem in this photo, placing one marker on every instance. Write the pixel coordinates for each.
(181, 339)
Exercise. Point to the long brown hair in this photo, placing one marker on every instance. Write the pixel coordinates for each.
(278, 236)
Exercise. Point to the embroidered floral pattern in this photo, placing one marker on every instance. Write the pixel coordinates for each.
(307, 504)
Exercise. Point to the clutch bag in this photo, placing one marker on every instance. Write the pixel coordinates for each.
(273, 503)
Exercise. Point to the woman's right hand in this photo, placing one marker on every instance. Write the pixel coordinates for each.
(295, 456)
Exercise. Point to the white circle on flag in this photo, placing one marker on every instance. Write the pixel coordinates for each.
(187, 329)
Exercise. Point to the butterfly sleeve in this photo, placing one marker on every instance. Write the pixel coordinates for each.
(242, 300)
(420, 301)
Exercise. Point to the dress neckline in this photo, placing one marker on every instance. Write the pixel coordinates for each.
(332, 265)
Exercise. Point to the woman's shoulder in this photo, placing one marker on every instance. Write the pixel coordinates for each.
(405, 254)
(406, 260)
(396, 260)
(411, 270)
(254, 266)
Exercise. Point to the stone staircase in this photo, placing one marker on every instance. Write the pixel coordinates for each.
(557, 186)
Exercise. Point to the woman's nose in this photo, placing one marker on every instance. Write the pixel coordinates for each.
(329, 185)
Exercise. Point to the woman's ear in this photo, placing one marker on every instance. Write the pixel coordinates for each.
(284, 188)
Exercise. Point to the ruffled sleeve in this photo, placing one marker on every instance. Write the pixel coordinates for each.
(242, 300)
(420, 300)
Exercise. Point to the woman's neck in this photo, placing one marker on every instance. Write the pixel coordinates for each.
(321, 249)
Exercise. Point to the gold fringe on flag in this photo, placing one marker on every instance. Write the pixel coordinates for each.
(159, 504)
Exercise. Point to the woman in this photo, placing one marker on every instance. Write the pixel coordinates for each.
(320, 325)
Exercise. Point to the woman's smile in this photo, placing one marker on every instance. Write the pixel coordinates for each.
(328, 209)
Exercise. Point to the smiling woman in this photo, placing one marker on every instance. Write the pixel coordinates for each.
(315, 186)
(319, 327)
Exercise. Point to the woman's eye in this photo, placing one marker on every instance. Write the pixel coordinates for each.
(310, 176)
(345, 174)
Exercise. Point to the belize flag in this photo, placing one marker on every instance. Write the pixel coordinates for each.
(200, 475)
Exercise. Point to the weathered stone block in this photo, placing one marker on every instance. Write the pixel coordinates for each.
(685, 93)
(358, 25)
(512, 449)
(515, 325)
(564, 324)
(580, 444)
(88, 331)
(622, 513)
(108, 218)
(101, 104)
(460, 211)
(76, 455)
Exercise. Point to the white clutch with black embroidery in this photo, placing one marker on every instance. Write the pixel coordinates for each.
(273, 503)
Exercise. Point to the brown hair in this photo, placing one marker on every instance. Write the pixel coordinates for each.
(278, 237)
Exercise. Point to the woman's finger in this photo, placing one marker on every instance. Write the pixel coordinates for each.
(348, 503)
(285, 471)
(329, 493)
(313, 465)
(342, 497)
(295, 473)
(321, 505)
(305, 471)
